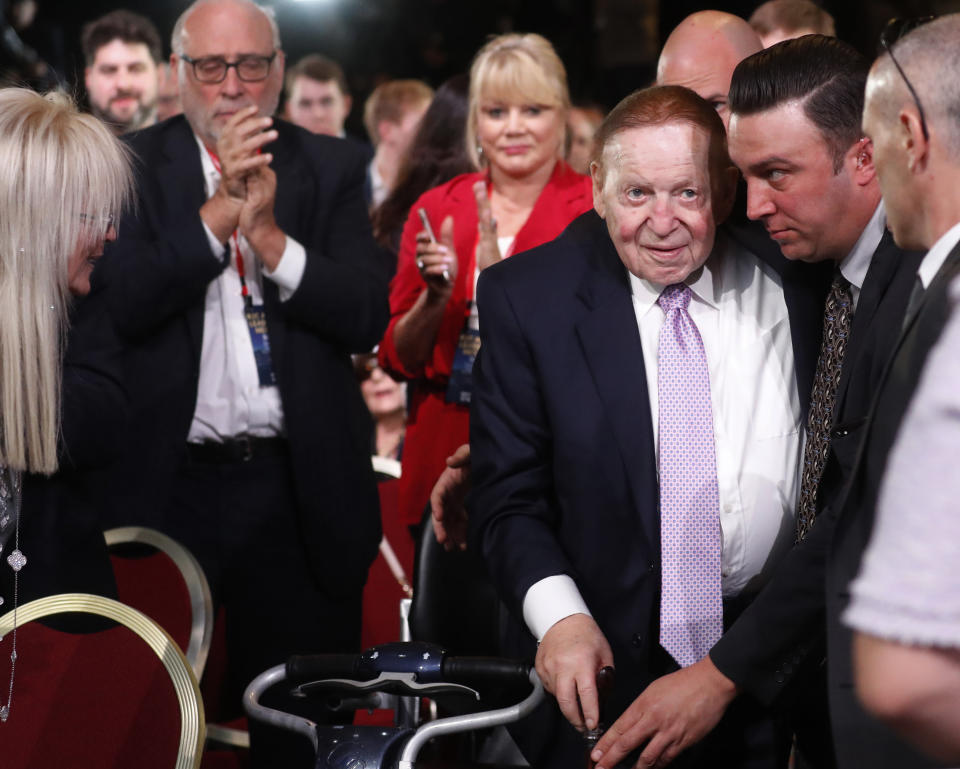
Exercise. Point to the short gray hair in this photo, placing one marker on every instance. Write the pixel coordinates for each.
(930, 57)
(177, 37)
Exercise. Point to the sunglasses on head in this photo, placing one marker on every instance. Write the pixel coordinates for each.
(892, 32)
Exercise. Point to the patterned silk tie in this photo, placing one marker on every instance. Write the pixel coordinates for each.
(691, 608)
(837, 317)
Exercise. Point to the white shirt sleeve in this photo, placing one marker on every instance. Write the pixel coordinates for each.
(216, 247)
(290, 269)
(549, 601)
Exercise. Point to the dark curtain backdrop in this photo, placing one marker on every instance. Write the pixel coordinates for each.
(608, 46)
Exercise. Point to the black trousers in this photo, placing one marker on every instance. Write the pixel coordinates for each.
(240, 519)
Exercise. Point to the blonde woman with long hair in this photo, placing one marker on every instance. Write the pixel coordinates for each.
(63, 179)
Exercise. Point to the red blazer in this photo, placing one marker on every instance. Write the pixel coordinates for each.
(436, 428)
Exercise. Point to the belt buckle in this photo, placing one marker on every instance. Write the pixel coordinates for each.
(245, 444)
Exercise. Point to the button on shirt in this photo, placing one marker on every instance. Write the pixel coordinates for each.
(741, 314)
(230, 400)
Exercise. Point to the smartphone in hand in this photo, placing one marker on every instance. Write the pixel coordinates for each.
(425, 220)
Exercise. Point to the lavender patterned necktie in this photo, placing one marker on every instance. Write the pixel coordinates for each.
(691, 608)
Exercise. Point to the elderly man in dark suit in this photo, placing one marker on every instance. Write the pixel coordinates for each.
(245, 279)
(635, 398)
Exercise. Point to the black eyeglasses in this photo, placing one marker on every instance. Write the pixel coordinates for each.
(892, 32)
(213, 69)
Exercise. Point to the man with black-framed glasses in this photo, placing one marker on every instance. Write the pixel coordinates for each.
(247, 277)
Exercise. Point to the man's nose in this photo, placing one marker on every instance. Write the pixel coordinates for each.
(759, 201)
(663, 216)
(232, 85)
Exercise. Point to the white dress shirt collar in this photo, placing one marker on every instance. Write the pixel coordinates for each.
(937, 255)
(854, 265)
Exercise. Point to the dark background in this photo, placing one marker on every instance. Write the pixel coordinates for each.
(608, 46)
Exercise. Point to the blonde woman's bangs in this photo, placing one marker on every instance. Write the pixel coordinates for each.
(518, 78)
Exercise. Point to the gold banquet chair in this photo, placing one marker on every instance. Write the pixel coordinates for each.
(97, 683)
(161, 578)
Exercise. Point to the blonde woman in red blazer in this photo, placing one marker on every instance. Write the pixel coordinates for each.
(523, 196)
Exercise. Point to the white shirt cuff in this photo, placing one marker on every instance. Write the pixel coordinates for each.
(216, 247)
(289, 270)
(549, 601)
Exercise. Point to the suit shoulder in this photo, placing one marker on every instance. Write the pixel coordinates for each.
(565, 258)
(148, 141)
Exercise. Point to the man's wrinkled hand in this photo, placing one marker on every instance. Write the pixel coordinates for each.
(569, 656)
(448, 513)
(239, 150)
(257, 223)
(670, 715)
(239, 156)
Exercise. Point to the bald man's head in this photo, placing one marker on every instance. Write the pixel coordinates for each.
(702, 52)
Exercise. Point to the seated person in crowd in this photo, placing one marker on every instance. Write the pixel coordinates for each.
(582, 124)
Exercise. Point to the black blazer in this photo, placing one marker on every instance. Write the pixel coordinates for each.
(775, 638)
(564, 467)
(157, 274)
(60, 528)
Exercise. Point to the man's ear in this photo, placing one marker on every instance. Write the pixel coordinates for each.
(598, 176)
(859, 161)
(910, 136)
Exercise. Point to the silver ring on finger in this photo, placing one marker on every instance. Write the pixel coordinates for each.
(420, 264)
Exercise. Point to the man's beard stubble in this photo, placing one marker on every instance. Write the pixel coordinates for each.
(145, 115)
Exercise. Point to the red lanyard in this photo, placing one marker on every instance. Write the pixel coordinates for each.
(244, 292)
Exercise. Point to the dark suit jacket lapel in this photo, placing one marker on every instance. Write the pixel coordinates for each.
(182, 191)
(946, 272)
(891, 273)
(611, 344)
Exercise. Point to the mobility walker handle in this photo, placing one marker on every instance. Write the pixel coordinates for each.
(405, 669)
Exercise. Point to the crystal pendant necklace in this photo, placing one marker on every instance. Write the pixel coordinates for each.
(10, 496)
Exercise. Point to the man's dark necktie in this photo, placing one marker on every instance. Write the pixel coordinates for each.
(837, 317)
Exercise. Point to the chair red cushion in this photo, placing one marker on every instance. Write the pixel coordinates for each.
(149, 581)
(98, 699)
